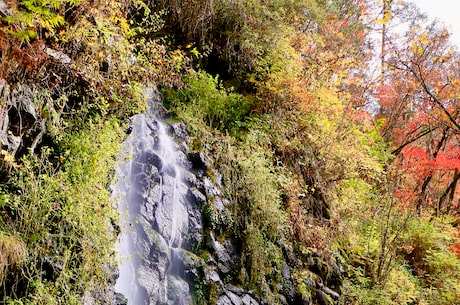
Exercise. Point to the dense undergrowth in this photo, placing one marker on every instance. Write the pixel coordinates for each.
(61, 219)
(275, 93)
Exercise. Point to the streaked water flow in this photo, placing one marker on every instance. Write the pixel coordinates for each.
(149, 143)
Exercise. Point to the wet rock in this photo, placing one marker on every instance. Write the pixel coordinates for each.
(167, 201)
(234, 298)
(152, 263)
(224, 300)
(334, 295)
(180, 131)
(147, 209)
(164, 207)
(120, 299)
(152, 239)
(153, 99)
(248, 300)
(234, 289)
(188, 264)
(198, 161)
(212, 275)
(323, 298)
(190, 179)
(182, 159)
(153, 161)
(178, 291)
(224, 260)
(195, 230)
(196, 197)
(172, 218)
(150, 285)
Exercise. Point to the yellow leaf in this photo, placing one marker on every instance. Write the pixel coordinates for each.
(420, 50)
(424, 38)
(381, 21)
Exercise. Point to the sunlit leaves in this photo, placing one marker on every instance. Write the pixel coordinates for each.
(31, 14)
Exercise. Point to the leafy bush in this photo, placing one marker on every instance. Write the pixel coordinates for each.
(401, 289)
(428, 255)
(203, 100)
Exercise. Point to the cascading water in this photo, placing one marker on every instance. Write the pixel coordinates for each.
(170, 202)
(151, 195)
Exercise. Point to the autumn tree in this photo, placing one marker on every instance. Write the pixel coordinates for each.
(418, 100)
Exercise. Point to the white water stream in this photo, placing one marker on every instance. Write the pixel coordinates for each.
(171, 207)
(155, 197)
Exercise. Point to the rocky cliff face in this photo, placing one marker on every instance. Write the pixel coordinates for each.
(21, 127)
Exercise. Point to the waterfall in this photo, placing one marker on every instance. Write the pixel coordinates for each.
(170, 224)
(154, 217)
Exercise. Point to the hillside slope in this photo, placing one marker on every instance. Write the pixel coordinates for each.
(341, 185)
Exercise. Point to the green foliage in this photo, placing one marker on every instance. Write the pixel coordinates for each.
(203, 101)
(62, 211)
(33, 16)
(423, 269)
(346, 146)
(428, 256)
(256, 36)
(400, 289)
(296, 143)
(261, 195)
(256, 215)
(380, 148)
(57, 202)
(260, 220)
(305, 280)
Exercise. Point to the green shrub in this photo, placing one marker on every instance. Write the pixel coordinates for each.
(259, 218)
(400, 289)
(203, 100)
(427, 253)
